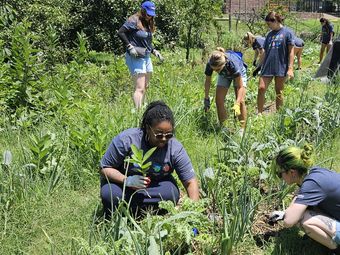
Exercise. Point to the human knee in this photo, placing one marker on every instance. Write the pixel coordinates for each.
(110, 196)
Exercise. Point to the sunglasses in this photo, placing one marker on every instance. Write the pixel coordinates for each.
(160, 136)
(270, 19)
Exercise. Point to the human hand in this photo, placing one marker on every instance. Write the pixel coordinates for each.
(137, 182)
(276, 216)
(158, 55)
(237, 109)
(254, 63)
(132, 51)
(330, 42)
(290, 73)
(256, 71)
(206, 104)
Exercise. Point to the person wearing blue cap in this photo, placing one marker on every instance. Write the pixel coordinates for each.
(136, 34)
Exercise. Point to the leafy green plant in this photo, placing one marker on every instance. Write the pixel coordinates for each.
(140, 160)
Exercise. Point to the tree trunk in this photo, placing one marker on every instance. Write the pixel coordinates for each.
(187, 46)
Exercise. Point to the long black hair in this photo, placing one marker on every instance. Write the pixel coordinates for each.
(157, 111)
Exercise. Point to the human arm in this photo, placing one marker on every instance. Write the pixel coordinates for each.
(207, 85)
(241, 91)
(293, 214)
(255, 56)
(157, 54)
(191, 187)
(122, 35)
(290, 72)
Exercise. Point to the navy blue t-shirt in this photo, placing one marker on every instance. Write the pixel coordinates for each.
(258, 42)
(327, 30)
(136, 36)
(321, 188)
(164, 160)
(276, 52)
(232, 68)
(298, 42)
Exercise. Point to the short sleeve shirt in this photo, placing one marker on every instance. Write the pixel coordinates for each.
(136, 36)
(327, 30)
(232, 68)
(258, 42)
(164, 160)
(277, 53)
(321, 188)
(298, 42)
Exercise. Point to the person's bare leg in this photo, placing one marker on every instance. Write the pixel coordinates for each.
(139, 81)
(243, 117)
(221, 93)
(263, 85)
(319, 227)
(279, 86)
(299, 57)
(322, 50)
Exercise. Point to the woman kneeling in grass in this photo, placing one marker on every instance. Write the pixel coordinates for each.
(157, 130)
(317, 205)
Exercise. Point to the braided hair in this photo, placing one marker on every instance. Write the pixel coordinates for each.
(294, 158)
(156, 112)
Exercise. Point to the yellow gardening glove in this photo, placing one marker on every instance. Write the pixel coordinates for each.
(237, 109)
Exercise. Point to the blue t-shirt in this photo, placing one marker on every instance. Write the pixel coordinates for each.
(232, 68)
(136, 36)
(258, 42)
(327, 31)
(321, 188)
(164, 160)
(298, 42)
(276, 52)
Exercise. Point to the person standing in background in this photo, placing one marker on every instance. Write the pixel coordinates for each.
(136, 33)
(327, 33)
(277, 61)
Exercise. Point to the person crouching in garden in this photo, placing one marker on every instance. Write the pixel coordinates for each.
(298, 48)
(278, 59)
(231, 69)
(136, 33)
(157, 129)
(317, 205)
(257, 43)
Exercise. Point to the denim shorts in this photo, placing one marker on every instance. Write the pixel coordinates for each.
(138, 65)
(225, 82)
(336, 237)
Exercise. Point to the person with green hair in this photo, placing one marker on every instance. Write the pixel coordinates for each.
(316, 207)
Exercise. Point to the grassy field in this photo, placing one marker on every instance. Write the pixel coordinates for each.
(49, 193)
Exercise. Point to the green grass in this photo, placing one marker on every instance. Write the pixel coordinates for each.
(98, 105)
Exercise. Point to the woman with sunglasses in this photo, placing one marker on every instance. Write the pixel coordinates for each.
(316, 207)
(257, 43)
(231, 69)
(277, 61)
(327, 33)
(136, 34)
(156, 130)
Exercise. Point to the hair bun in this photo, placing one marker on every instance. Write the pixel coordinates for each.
(306, 154)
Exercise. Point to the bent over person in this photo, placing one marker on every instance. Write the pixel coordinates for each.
(317, 205)
(157, 129)
(231, 69)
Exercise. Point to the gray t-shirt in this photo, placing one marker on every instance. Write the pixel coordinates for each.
(327, 31)
(232, 68)
(321, 188)
(298, 42)
(164, 160)
(136, 36)
(258, 42)
(276, 52)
